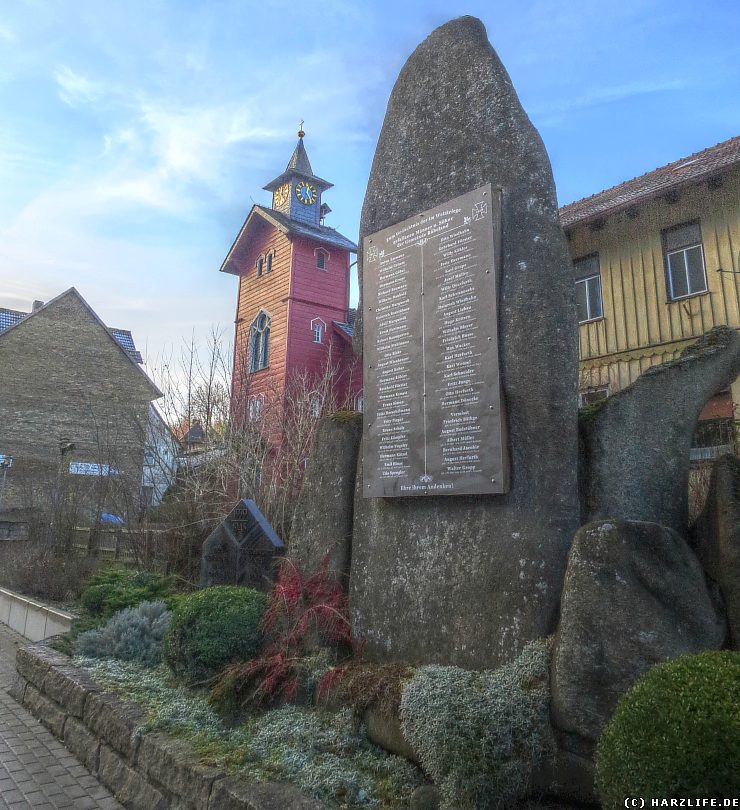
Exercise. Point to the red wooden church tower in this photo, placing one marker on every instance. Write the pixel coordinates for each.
(292, 315)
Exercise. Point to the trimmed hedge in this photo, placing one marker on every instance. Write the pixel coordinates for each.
(675, 733)
(212, 627)
(114, 589)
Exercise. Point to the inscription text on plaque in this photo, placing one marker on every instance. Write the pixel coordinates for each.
(433, 418)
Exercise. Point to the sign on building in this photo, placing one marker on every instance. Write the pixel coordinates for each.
(89, 468)
(433, 415)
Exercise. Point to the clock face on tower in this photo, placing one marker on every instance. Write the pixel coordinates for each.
(281, 195)
(305, 193)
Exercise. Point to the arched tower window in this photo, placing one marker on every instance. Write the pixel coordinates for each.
(260, 265)
(269, 263)
(322, 257)
(259, 342)
(318, 327)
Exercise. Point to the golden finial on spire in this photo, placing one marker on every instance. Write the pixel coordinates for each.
(301, 133)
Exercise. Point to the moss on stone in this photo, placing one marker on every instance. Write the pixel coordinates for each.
(588, 413)
(344, 415)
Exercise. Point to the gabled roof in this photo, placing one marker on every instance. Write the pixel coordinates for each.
(20, 318)
(346, 330)
(700, 166)
(292, 227)
(10, 317)
(300, 165)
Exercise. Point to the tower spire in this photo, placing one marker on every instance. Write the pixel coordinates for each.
(297, 191)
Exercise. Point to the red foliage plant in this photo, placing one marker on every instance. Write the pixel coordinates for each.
(303, 614)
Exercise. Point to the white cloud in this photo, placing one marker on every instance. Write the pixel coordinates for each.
(555, 112)
(75, 89)
(6, 34)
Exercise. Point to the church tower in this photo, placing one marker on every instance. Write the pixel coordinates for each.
(292, 314)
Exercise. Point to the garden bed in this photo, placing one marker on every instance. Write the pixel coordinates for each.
(169, 749)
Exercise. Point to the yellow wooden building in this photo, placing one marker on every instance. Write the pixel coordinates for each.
(657, 264)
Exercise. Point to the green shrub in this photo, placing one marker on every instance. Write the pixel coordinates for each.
(132, 634)
(479, 735)
(114, 589)
(675, 733)
(212, 627)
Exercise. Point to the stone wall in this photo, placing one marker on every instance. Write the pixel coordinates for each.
(144, 771)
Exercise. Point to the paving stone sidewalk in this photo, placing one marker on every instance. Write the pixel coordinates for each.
(36, 770)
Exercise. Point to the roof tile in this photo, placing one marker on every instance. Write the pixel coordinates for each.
(692, 169)
(10, 317)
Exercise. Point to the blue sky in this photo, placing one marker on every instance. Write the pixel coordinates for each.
(135, 136)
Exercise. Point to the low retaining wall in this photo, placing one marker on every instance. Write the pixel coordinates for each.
(30, 619)
(143, 771)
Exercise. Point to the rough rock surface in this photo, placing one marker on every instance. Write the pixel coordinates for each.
(634, 595)
(717, 538)
(469, 580)
(233, 794)
(426, 797)
(635, 447)
(323, 517)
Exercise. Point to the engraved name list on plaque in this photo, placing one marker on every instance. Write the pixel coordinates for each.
(433, 417)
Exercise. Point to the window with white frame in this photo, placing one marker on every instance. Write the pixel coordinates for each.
(259, 342)
(256, 405)
(683, 252)
(322, 258)
(318, 327)
(588, 288)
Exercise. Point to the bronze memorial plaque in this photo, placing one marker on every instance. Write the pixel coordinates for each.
(433, 416)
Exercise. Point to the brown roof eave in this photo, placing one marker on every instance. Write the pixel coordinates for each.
(634, 202)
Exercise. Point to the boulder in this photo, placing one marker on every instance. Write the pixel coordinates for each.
(425, 797)
(634, 595)
(468, 580)
(323, 518)
(635, 445)
(717, 538)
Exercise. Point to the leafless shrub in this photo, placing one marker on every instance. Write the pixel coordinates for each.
(256, 443)
(42, 571)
